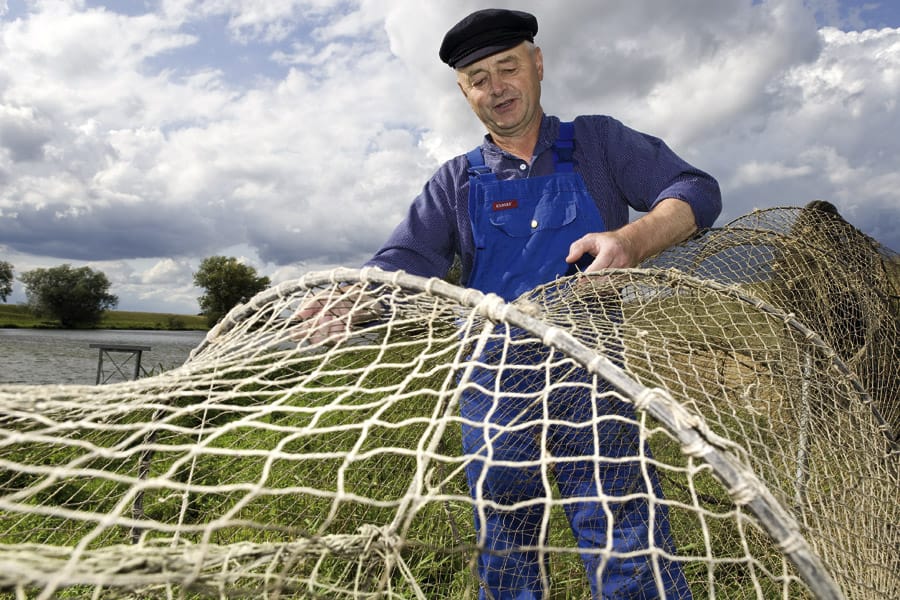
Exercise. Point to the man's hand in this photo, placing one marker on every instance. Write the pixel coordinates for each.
(610, 249)
(333, 313)
(671, 221)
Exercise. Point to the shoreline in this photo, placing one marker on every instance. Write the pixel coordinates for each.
(17, 316)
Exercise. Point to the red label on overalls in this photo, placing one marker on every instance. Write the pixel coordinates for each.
(505, 205)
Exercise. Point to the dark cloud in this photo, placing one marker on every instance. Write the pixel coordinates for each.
(22, 137)
(146, 231)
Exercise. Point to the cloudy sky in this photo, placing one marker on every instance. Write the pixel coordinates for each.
(140, 136)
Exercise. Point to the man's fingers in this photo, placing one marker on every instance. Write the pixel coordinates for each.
(333, 313)
(320, 327)
(609, 249)
(577, 249)
(319, 317)
(589, 246)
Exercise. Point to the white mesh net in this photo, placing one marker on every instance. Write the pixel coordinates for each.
(744, 383)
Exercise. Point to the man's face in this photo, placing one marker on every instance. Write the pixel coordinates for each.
(504, 90)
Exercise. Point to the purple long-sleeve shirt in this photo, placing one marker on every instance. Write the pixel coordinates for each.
(620, 166)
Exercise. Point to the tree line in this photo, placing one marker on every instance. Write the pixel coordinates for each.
(78, 297)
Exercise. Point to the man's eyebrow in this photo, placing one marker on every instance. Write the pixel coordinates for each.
(474, 72)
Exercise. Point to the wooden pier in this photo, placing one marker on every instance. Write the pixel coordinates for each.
(120, 364)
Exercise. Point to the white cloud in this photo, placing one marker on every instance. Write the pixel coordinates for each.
(754, 173)
(832, 118)
(126, 138)
(168, 271)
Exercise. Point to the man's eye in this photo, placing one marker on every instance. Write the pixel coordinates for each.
(479, 82)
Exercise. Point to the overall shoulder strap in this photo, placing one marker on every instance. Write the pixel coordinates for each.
(564, 147)
(476, 163)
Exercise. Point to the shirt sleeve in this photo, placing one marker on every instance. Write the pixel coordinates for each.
(424, 243)
(646, 171)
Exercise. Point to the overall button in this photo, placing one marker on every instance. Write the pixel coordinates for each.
(523, 166)
(534, 223)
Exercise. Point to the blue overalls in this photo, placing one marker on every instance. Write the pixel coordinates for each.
(522, 230)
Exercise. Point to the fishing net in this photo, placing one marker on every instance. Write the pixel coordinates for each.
(746, 380)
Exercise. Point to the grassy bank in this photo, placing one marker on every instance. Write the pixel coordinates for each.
(16, 315)
(291, 461)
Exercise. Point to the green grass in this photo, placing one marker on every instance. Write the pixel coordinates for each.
(319, 419)
(17, 315)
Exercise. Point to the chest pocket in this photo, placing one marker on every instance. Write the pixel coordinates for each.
(552, 210)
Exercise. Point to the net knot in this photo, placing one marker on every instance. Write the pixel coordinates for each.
(492, 307)
(744, 492)
(698, 448)
(792, 544)
(368, 538)
(383, 535)
(643, 400)
(532, 309)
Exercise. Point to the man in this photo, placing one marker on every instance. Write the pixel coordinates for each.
(535, 201)
(499, 72)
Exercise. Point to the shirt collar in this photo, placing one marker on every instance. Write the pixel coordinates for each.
(547, 135)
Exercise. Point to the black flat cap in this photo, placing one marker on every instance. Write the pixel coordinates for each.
(486, 32)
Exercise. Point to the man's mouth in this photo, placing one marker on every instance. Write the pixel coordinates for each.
(504, 105)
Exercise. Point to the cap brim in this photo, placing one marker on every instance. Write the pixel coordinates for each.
(477, 55)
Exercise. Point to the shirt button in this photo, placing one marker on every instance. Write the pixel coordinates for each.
(523, 166)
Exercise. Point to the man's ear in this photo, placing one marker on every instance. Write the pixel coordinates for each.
(539, 62)
(462, 89)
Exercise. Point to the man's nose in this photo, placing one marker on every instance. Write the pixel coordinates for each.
(498, 86)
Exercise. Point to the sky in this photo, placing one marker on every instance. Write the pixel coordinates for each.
(138, 137)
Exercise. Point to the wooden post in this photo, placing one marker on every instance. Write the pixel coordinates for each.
(132, 351)
(137, 506)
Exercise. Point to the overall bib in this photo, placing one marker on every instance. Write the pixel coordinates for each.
(522, 230)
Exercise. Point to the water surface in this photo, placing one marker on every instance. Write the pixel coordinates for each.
(49, 356)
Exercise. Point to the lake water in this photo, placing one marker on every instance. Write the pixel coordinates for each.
(50, 356)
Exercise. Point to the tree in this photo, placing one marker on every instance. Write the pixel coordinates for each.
(228, 283)
(6, 280)
(76, 297)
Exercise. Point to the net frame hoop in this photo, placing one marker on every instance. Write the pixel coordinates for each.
(471, 298)
(688, 428)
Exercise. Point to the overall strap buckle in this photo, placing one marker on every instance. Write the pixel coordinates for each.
(476, 163)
